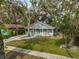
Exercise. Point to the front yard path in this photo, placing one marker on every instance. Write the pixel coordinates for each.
(18, 37)
(36, 53)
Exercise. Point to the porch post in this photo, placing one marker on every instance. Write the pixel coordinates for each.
(52, 32)
(33, 31)
(42, 31)
(47, 32)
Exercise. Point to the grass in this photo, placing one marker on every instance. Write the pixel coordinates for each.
(45, 44)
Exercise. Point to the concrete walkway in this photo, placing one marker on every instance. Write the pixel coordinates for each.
(19, 37)
(36, 53)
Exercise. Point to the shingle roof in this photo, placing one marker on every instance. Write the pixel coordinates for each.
(13, 26)
(40, 25)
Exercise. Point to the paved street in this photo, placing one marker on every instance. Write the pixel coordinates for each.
(1, 54)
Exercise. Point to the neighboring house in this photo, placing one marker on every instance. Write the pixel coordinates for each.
(10, 29)
(13, 26)
(41, 29)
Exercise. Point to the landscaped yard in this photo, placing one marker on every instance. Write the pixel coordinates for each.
(45, 44)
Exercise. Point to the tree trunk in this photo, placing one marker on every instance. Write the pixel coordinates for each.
(28, 27)
(25, 31)
(16, 29)
(71, 43)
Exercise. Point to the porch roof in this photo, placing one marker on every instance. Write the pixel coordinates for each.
(40, 25)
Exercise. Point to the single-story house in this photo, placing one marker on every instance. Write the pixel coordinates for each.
(13, 26)
(41, 29)
(12, 29)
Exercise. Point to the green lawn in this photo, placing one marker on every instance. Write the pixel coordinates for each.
(45, 44)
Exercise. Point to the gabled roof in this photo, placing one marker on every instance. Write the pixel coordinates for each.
(13, 26)
(40, 25)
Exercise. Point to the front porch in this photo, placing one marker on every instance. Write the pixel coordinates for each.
(41, 32)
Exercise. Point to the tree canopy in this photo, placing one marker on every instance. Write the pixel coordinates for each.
(63, 14)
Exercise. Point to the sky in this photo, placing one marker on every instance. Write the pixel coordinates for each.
(28, 3)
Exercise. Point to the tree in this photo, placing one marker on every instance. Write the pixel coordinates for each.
(2, 54)
(64, 15)
(29, 15)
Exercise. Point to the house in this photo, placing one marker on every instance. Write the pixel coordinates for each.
(13, 26)
(12, 29)
(41, 29)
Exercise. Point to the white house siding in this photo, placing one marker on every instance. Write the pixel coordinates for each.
(41, 29)
(41, 32)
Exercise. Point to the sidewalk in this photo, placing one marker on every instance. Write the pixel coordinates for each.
(19, 37)
(36, 53)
